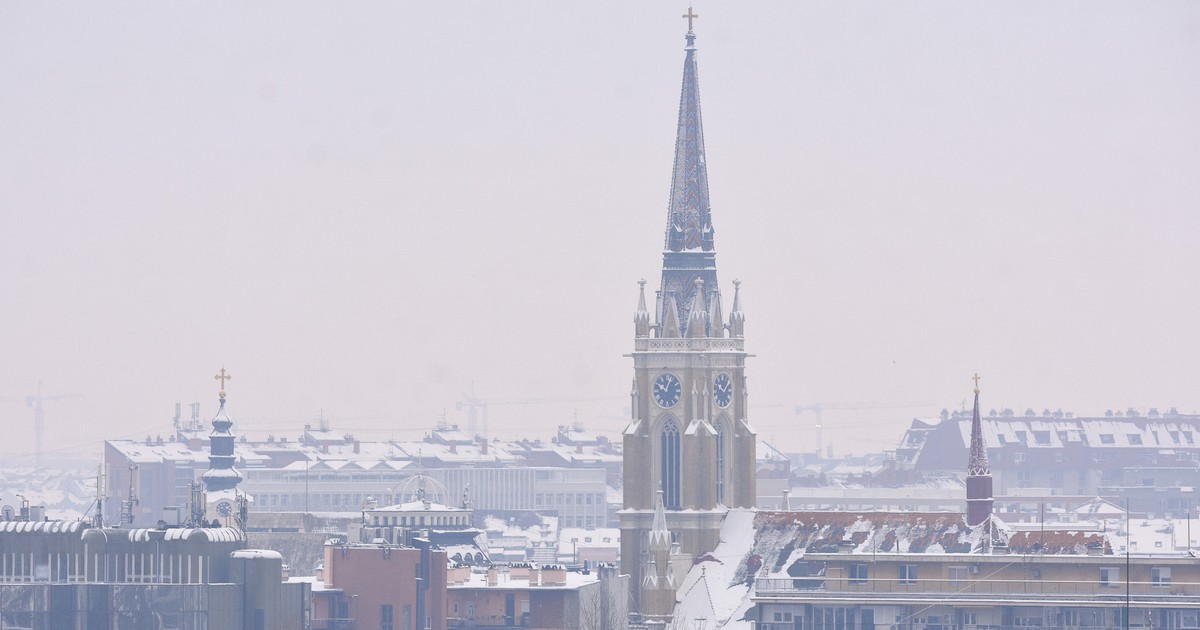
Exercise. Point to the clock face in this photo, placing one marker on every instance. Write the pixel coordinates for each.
(723, 390)
(224, 508)
(667, 390)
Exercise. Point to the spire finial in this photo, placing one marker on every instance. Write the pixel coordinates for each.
(976, 379)
(690, 15)
(222, 376)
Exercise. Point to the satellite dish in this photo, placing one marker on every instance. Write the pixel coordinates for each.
(7, 513)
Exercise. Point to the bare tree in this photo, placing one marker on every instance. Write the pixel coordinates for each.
(600, 608)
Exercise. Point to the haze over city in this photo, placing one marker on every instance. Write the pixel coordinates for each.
(369, 213)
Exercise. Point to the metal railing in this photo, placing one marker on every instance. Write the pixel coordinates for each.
(333, 624)
(1032, 589)
(735, 344)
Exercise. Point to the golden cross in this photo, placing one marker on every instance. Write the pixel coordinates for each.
(976, 379)
(690, 16)
(222, 377)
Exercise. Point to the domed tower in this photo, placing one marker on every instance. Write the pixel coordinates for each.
(221, 478)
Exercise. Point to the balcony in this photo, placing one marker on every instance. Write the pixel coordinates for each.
(333, 624)
(645, 344)
(981, 592)
(488, 623)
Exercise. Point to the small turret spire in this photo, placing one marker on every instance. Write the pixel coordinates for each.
(697, 314)
(670, 325)
(737, 319)
(660, 537)
(716, 322)
(641, 318)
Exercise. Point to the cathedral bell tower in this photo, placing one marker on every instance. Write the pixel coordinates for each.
(689, 437)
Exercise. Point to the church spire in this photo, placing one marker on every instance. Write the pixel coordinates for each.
(689, 224)
(978, 464)
(979, 472)
(689, 252)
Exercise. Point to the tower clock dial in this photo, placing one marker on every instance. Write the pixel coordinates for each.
(667, 390)
(723, 390)
(224, 508)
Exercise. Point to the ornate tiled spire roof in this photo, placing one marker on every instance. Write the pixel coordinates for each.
(978, 464)
(689, 259)
(689, 223)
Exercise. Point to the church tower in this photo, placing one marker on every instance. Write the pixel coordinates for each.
(689, 436)
(222, 497)
(979, 471)
(221, 475)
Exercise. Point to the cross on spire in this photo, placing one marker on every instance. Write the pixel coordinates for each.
(976, 379)
(222, 377)
(690, 16)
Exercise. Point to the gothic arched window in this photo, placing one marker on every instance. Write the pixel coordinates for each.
(721, 472)
(669, 456)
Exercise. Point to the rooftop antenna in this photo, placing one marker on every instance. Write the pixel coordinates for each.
(131, 500)
(178, 415)
(195, 415)
(98, 519)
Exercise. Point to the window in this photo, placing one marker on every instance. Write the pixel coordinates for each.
(908, 574)
(1021, 436)
(1041, 437)
(721, 462)
(1018, 458)
(669, 447)
(1058, 458)
(1106, 438)
(385, 617)
(958, 575)
(1110, 576)
(1160, 576)
(1134, 438)
(858, 573)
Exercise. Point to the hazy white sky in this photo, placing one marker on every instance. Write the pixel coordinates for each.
(368, 208)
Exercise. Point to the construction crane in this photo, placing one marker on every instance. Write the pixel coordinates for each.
(35, 402)
(476, 404)
(817, 408)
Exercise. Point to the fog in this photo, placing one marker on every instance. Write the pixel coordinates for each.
(369, 210)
